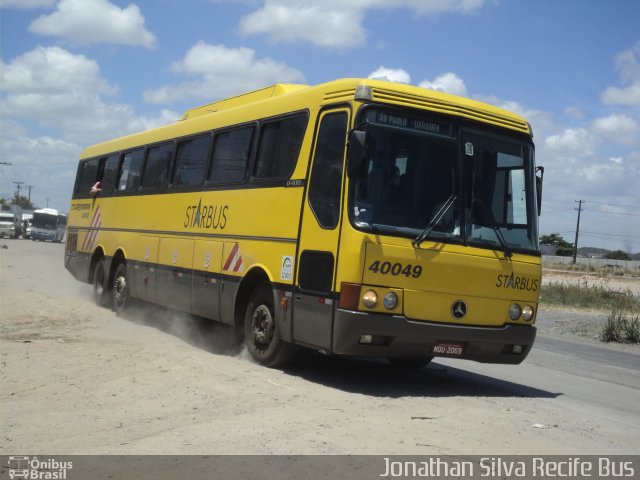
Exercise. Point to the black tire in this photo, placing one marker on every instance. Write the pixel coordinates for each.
(101, 290)
(120, 291)
(261, 331)
(409, 363)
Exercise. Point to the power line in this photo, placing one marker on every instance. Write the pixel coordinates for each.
(615, 213)
(600, 234)
(613, 204)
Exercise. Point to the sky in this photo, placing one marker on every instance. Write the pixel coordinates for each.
(77, 72)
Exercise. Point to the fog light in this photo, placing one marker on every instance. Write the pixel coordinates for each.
(366, 339)
(517, 349)
(515, 311)
(527, 313)
(390, 301)
(370, 299)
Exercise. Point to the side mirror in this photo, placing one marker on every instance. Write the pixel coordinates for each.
(356, 153)
(539, 187)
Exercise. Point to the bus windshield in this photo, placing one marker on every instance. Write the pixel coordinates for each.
(45, 220)
(431, 179)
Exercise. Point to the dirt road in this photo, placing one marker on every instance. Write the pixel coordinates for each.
(76, 379)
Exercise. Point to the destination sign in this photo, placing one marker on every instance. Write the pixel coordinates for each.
(409, 122)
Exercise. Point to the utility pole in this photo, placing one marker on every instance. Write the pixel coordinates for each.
(30, 187)
(18, 192)
(575, 244)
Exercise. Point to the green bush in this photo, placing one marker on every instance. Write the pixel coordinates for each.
(588, 296)
(621, 329)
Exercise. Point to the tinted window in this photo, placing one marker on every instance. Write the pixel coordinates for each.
(87, 176)
(231, 156)
(157, 167)
(280, 143)
(316, 271)
(129, 179)
(191, 160)
(110, 173)
(326, 174)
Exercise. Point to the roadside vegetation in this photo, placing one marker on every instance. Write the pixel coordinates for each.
(623, 320)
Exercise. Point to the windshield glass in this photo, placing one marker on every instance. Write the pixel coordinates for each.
(426, 179)
(503, 191)
(44, 220)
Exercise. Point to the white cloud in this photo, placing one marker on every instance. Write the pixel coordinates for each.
(55, 89)
(52, 71)
(448, 83)
(26, 4)
(95, 21)
(572, 141)
(616, 127)
(53, 104)
(397, 75)
(627, 63)
(287, 23)
(221, 72)
(622, 96)
(335, 23)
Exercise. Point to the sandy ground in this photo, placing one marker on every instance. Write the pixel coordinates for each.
(76, 379)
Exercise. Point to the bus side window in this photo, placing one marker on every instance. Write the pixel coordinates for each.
(87, 176)
(280, 143)
(157, 166)
(231, 152)
(326, 174)
(191, 161)
(129, 179)
(109, 173)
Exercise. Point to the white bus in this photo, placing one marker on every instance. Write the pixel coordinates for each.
(48, 224)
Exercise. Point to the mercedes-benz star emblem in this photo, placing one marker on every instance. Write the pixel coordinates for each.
(458, 309)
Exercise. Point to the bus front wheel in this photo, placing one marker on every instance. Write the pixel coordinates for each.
(101, 285)
(120, 289)
(261, 332)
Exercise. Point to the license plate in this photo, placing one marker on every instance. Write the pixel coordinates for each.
(450, 349)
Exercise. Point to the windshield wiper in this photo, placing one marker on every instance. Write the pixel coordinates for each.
(434, 221)
(486, 220)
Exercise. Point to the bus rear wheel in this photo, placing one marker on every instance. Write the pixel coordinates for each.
(261, 332)
(101, 292)
(120, 289)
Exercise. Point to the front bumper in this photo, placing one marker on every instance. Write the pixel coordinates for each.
(396, 336)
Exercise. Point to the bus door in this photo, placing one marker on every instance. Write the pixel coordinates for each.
(319, 234)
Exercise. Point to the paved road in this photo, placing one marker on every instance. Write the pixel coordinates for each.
(75, 378)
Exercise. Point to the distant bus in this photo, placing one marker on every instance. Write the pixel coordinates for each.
(357, 217)
(48, 224)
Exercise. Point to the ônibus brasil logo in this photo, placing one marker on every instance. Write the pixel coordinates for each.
(36, 469)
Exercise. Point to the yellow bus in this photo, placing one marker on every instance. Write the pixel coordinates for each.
(356, 217)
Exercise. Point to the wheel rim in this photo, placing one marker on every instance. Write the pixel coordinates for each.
(98, 282)
(120, 290)
(262, 326)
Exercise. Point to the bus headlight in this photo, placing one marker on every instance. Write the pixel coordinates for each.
(515, 311)
(527, 313)
(390, 301)
(370, 299)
